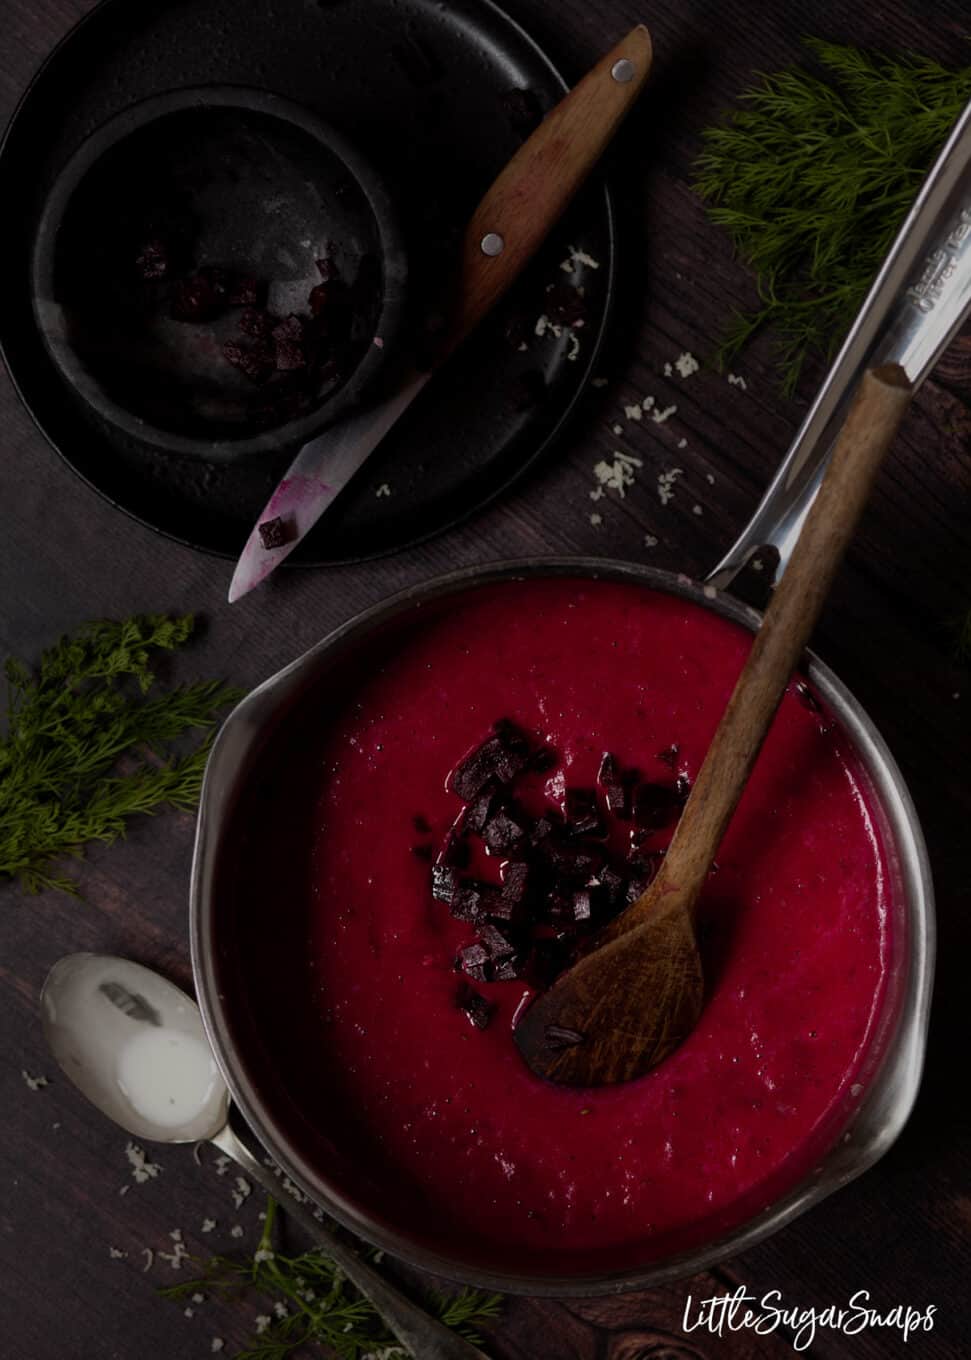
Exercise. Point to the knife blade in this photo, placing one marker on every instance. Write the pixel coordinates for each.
(315, 479)
(510, 224)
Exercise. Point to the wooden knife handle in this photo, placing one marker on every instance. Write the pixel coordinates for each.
(533, 191)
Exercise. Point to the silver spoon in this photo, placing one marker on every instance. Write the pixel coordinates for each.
(135, 1046)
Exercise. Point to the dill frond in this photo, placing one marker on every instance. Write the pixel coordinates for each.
(812, 178)
(308, 1301)
(86, 748)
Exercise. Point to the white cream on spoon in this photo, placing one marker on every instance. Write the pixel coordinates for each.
(167, 1076)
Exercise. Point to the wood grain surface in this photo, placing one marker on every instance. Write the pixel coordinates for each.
(902, 1230)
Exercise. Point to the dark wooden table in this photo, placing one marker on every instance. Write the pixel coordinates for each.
(65, 556)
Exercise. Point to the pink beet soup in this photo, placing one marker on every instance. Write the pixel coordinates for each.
(347, 963)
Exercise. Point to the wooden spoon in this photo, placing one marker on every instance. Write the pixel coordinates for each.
(623, 1008)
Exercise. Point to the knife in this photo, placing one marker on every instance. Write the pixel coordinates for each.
(506, 230)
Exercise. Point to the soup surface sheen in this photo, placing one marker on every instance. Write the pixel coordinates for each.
(438, 1127)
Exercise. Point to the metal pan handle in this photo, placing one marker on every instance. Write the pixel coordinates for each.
(918, 303)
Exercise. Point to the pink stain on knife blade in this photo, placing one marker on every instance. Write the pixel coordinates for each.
(257, 562)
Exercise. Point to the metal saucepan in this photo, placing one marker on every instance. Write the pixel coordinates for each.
(919, 301)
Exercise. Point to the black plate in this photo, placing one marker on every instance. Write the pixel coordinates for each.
(428, 93)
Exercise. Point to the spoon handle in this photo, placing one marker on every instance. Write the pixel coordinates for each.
(878, 408)
(424, 1336)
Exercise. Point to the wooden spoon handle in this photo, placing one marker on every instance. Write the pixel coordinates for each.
(538, 184)
(878, 408)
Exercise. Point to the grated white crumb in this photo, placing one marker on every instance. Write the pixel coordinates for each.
(280, 1309)
(149, 1259)
(596, 520)
(261, 1323)
(682, 442)
(573, 353)
(179, 1252)
(198, 1298)
(647, 404)
(141, 1168)
(756, 564)
(686, 364)
(188, 1312)
(633, 412)
(242, 1191)
(262, 1254)
(659, 417)
(599, 382)
(618, 475)
(217, 1344)
(236, 1230)
(208, 1224)
(383, 490)
(650, 541)
(737, 380)
(668, 370)
(34, 1083)
(956, 694)
(261, 1216)
(124, 1190)
(55, 1126)
(618, 429)
(665, 484)
(697, 510)
(378, 342)
(597, 494)
(710, 593)
(710, 478)
(576, 258)
(116, 1254)
(545, 326)
(223, 1163)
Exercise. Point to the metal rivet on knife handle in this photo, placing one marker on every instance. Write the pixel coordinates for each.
(493, 244)
(623, 72)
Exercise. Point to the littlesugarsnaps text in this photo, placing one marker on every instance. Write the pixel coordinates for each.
(740, 1311)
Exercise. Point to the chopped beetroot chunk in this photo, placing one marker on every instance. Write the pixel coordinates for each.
(563, 875)
(474, 960)
(274, 533)
(445, 882)
(256, 362)
(583, 813)
(476, 1007)
(257, 323)
(290, 328)
(290, 356)
(494, 760)
(503, 832)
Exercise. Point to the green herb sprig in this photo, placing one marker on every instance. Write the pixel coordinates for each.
(309, 1302)
(812, 182)
(87, 747)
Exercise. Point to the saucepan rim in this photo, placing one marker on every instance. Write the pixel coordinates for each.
(892, 1088)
